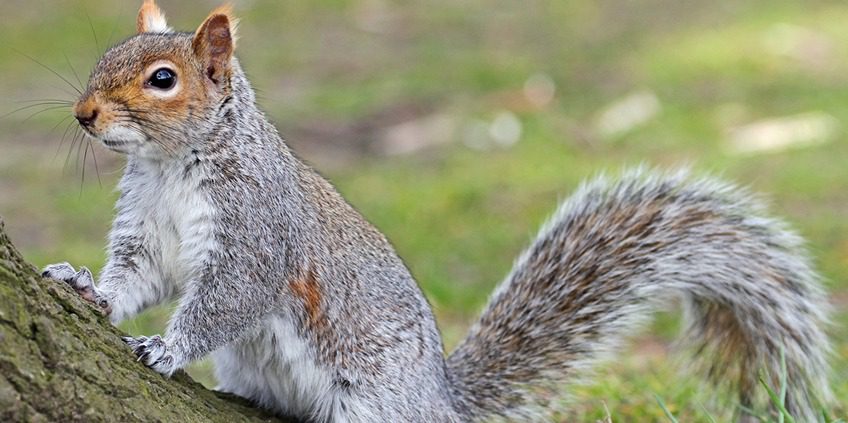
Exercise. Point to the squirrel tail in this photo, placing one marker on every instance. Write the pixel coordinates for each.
(619, 248)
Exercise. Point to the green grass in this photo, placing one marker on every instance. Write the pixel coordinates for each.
(777, 401)
(457, 215)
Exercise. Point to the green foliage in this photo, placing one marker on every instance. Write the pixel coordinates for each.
(778, 400)
(665, 409)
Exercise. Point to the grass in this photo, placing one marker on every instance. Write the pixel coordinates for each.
(335, 75)
(778, 401)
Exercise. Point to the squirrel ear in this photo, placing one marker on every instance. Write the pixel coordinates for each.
(151, 19)
(215, 41)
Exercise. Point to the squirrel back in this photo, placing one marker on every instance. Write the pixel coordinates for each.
(620, 248)
(307, 309)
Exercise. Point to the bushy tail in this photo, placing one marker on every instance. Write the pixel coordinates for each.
(615, 250)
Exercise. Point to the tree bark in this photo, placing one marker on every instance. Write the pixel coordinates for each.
(62, 361)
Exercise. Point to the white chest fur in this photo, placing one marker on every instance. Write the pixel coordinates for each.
(177, 216)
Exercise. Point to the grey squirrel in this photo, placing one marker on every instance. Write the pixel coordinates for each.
(308, 311)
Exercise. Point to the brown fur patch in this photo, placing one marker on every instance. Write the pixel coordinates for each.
(308, 291)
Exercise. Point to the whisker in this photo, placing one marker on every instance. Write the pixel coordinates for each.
(84, 160)
(62, 140)
(137, 114)
(76, 75)
(79, 151)
(163, 129)
(64, 90)
(46, 100)
(68, 156)
(30, 107)
(96, 167)
(42, 111)
(115, 25)
(159, 127)
(74, 138)
(94, 33)
(49, 69)
(64, 119)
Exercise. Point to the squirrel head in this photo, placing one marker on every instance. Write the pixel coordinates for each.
(160, 89)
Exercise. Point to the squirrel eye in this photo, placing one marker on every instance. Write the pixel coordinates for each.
(162, 78)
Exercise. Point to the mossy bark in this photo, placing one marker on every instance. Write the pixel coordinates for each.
(61, 361)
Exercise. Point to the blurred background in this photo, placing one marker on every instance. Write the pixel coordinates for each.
(457, 126)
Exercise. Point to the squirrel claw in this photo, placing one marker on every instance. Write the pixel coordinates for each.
(60, 272)
(81, 281)
(153, 352)
(133, 343)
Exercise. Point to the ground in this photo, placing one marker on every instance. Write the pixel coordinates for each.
(456, 127)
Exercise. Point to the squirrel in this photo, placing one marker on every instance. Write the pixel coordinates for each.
(308, 311)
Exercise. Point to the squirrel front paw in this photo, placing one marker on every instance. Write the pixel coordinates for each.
(153, 352)
(81, 281)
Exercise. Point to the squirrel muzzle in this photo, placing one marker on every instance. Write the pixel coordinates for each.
(86, 111)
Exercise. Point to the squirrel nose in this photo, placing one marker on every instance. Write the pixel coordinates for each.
(86, 117)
